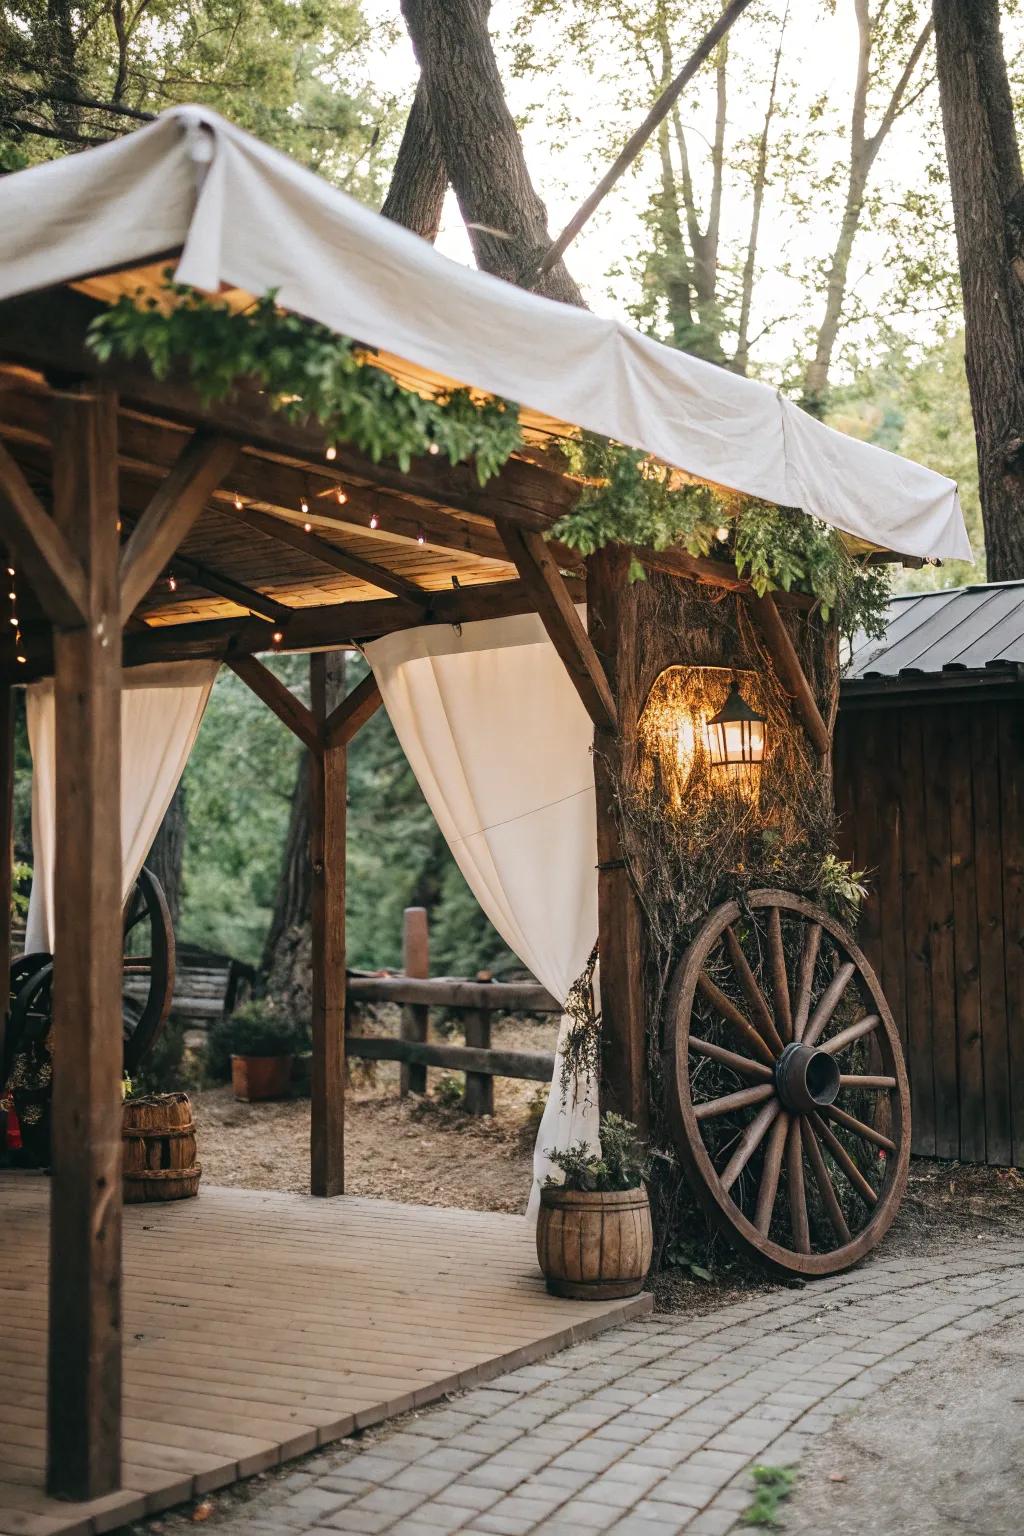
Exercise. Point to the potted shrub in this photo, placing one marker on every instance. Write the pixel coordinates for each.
(594, 1236)
(262, 1044)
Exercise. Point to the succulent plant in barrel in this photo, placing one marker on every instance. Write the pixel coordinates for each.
(594, 1237)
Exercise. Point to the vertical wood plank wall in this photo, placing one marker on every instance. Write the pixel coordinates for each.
(931, 800)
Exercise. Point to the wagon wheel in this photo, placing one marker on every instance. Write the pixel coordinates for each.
(148, 955)
(787, 1085)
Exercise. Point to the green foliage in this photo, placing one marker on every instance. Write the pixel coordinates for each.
(166, 1069)
(774, 1486)
(308, 373)
(21, 882)
(842, 889)
(631, 501)
(258, 1028)
(450, 1090)
(624, 1162)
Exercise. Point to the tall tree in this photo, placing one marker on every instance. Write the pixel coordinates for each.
(988, 205)
(882, 46)
(166, 856)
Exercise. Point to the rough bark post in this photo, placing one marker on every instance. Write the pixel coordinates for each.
(166, 857)
(6, 836)
(84, 1374)
(619, 917)
(328, 796)
(479, 1096)
(415, 962)
(988, 205)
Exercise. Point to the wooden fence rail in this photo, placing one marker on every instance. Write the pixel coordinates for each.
(474, 1001)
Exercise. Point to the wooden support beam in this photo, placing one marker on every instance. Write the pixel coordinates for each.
(415, 1016)
(352, 713)
(791, 674)
(277, 697)
(235, 591)
(200, 467)
(364, 570)
(40, 549)
(565, 628)
(84, 1372)
(619, 916)
(6, 836)
(329, 782)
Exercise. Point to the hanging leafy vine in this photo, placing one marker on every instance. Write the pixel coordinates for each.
(309, 373)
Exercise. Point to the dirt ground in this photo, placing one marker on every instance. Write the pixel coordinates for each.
(938, 1451)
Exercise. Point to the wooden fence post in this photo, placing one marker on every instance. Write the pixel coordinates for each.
(479, 1095)
(415, 962)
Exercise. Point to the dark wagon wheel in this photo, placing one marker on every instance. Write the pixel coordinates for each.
(787, 1085)
(148, 968)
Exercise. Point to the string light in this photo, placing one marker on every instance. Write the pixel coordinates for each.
(722, 535)
(434, 448)
(421, 537)
(277, 636)
(340, 497)
(307, 527)
(303, 505)
(238, 502)
(374, 520)
(172, 581)
(19, 654)
(331, 454)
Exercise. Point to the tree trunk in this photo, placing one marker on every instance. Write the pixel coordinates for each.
(416, 194)
(988, 204)
(168, 851)
(480, 144)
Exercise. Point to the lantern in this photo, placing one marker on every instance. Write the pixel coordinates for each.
(736, 735)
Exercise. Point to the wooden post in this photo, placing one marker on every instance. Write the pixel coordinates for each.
(84, 1380)
(6, 841)
(619, 918)
(479, 1096)
(415, 962)
(329, 782)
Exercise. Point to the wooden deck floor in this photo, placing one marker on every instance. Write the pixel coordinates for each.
(259, 1326)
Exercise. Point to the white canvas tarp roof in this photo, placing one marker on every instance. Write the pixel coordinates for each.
(244, 215)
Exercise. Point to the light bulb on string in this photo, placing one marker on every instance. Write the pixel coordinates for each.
(238, 502)
(307, 527)
(277, 636)
(303, 505)
(421, 537)
(331, 454)
(340, 497)
(172, 581)
(374, 520)
(434, 448)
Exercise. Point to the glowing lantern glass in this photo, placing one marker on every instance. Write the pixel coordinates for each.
(736, 735)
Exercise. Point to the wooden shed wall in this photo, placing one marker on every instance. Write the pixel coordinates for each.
(931, 799)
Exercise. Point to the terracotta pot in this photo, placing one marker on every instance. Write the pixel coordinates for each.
(261, 1077)
(594, 1245)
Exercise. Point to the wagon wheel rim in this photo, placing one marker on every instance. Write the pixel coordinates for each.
(147, 904)
(798, 1135)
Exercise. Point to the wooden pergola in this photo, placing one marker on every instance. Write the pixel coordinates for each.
(143, 527)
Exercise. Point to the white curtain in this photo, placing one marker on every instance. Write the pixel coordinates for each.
(501, 747)
(161, 710)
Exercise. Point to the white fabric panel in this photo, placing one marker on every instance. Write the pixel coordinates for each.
(501, 748)
(161, 710)
(262, 222)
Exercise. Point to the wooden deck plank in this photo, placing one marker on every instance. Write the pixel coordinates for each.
(259, 1325)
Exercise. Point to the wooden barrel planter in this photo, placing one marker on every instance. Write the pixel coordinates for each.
(159, 1149)
(594, 1245)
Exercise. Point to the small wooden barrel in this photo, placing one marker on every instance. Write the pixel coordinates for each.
(594, 1245)
(159, 1148)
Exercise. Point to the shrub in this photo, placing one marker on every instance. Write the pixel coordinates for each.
(259, 1028)
(623, 1164)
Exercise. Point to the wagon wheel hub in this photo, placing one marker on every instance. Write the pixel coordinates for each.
(788, 1089)
(806, 1079)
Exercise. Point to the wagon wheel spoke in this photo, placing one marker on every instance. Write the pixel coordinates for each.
(821, 1177)
(845, 1161)
(805, 979)
(851, 1123)
(749, 1142)
(770, 1172)
(741, 1064)
(710, 1109)
(870, 1084)
(830, 1000)
(742, 1026)
(795, 1182)
(845, 1037)
(763, 1020)
(780, 981)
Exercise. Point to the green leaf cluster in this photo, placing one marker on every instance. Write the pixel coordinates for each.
(307, 373)
(624, 1162)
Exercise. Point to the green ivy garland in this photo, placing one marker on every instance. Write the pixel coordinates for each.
(310, 373)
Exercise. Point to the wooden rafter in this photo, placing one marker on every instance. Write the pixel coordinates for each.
(352, 713)
(791, 674)
(291, 710)
(339, 559)
(201, 465)
(546, 585)
(41, 549)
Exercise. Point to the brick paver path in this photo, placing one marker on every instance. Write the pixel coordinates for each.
(651, 1428)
